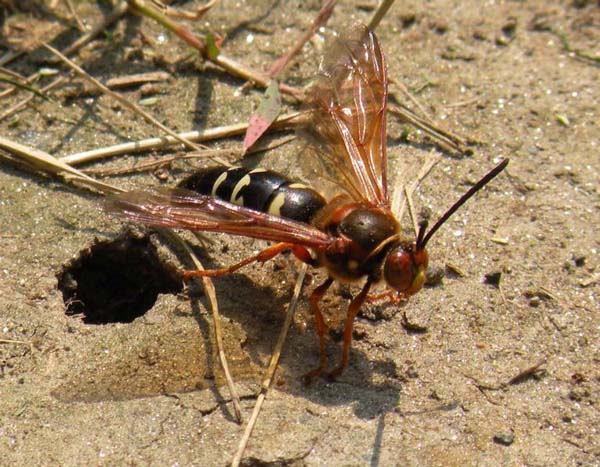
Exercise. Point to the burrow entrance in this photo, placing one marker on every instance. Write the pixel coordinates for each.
(116, 281)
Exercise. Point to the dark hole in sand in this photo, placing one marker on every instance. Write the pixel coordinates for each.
(116, 281)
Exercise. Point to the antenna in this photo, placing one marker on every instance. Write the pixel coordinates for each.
(423, 239)
(420, 234)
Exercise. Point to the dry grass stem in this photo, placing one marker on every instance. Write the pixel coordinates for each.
(207, 154)
(10, 56)
(272, 368)
(526, 374)
(379, 13)
(402, 87)
(320, 20)
(117, 12)
(75, 16)
(19, 105)
(209, 289)
(247, 73)
(445, 139)
(399, 203)
(137, 79)
(12, 73)
(282, 122)
(41, 161)
(29, 79)
(12, 341)
(411, 209)
(193, 16)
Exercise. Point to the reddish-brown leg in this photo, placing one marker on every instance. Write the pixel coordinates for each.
(265, 255)
(353, 308)
(388, 294)
(320, 328)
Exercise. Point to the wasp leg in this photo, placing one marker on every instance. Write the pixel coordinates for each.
(265, 255)
(320, 328)
(353, 308)
(393, 296)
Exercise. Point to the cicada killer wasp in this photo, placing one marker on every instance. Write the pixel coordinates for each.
(355, 235)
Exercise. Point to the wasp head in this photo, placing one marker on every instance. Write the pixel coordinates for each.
(405, 268)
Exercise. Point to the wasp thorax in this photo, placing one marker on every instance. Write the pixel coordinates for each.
(405, 268)
(368, 227)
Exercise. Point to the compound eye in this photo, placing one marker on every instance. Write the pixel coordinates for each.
(404, 270)
(398, 270)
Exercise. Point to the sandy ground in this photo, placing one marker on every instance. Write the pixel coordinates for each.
(512, 75)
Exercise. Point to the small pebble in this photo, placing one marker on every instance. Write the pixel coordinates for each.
(506, 439)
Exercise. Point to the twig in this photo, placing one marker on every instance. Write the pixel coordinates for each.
(425, 120)
(73, 12)
(379, 13)
(284, 121)
(12, 73)
(454, 268)
(399, 206)
(321, 19)
(447, 140)
(21, 85)
(28, 80)
(411, 209)
(18, 106)
(12, 341)
(196, 15)
(137, 79)
(527, 373)
(464, 103)
(42, 161)
(519, 378)
(10, 56)
(118, 11)
(578, 53)
(400, 85)
(594, 278)
(17, 342)
(150, 165)
(271, 370)
(243, 71)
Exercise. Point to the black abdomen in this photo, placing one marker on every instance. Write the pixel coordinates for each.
(258, 189)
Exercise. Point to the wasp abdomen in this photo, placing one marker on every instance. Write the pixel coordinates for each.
(259, 189)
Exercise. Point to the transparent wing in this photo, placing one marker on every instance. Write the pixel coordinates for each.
(178, 208)
(347, 127)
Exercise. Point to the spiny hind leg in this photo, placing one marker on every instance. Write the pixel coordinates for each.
(353, 309)
(265, 255)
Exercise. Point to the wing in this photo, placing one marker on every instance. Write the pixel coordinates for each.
(178, 208)
(348, 121)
